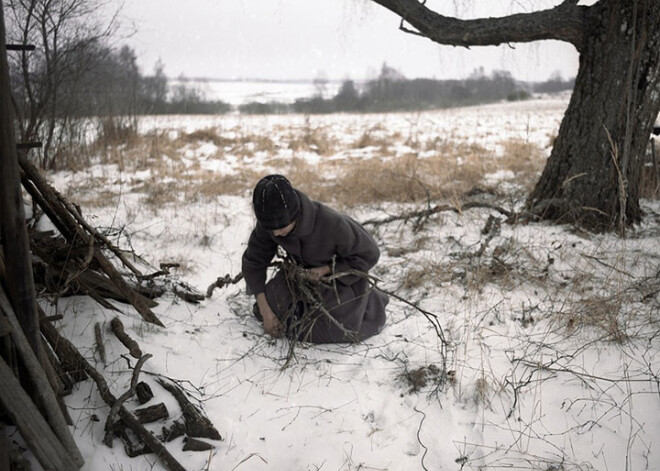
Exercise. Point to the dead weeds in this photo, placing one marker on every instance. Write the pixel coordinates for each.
(396, 168)
(419, 378)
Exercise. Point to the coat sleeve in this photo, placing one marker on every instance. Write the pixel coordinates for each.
(356, 250)
(259, 253)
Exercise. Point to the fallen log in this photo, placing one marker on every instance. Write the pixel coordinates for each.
(150, 414)
(197, 424)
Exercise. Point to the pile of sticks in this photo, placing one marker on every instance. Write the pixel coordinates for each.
(77, 260)
(74, 259)
(43, 419)
(81, 260)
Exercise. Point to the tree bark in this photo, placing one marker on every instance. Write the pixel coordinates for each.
(593, 173)
(563, 23)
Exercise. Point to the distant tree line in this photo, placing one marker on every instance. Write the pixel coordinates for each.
(77, 77)
(76, 72)
(391, 91)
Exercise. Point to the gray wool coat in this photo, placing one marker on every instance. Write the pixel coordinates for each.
(322, 237)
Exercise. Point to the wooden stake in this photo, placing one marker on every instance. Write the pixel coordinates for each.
(35, 431)
(16, 246)
(100, 347)
(4, 447)
(43, 391)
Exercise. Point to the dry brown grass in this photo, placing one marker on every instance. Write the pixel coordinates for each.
(408, 177)
(525, 159)
(427, 274)
(205, 135)
(435, 168)
(312, 139)
(602, 313)
(190, 188)
(377, 137)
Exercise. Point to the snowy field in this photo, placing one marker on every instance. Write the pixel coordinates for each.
(238, 92)
(548, 358)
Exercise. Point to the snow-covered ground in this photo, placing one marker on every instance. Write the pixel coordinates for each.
(238, 92)
(550, 335)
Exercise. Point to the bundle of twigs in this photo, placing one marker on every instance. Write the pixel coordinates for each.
(75, 259)
(307, 306)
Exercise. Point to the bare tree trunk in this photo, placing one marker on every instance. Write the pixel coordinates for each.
(592, 175)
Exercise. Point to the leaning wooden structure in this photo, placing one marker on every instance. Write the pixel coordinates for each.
(37, 365)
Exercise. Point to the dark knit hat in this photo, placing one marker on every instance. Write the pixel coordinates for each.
(276, 203)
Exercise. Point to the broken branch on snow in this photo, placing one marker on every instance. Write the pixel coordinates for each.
(423, 214)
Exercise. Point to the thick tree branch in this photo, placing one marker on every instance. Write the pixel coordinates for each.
(565, 22)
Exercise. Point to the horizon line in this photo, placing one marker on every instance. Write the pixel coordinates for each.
(328, 80)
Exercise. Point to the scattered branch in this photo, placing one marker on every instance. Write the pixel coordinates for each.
(223, 281)
(132, 345)
(100, 347)
(425, 213)
(114, 410)
(126, 417)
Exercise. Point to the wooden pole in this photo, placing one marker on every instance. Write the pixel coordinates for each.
(35, 431)
(15, 243)
(4, 447)
(43, 389)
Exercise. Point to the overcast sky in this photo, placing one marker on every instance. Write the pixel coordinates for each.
(337, 39)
